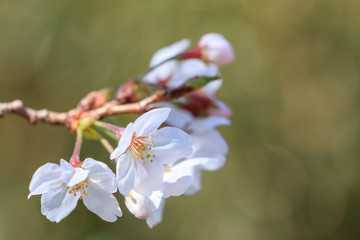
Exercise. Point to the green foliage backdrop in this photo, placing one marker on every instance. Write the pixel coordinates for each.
(293, 167)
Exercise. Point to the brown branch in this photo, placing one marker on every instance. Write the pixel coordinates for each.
(88, 103)
(32, 115)
(64, 118)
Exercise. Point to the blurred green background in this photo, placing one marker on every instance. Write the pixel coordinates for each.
(293, 166)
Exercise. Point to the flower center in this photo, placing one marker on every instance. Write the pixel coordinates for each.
(141, 147)
(80, 188)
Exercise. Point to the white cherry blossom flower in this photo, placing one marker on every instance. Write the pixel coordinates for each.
(178, 178)
(174, 73)
(62, 186)
(209, 147)
(216, 49)
(143, 150)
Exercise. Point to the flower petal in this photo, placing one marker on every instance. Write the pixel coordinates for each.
(45, 178)
(207, 123)
(171, 144)
(150, 121)
(156, 216)
(149, 177)
(162, 74)
(178, 117)
(125, 173)
(188, 69)
(57, 203)
(169, 51)
(100, 174)
(195, 184)
(140, 206)
(102, 203)
(124, 141)
(208, 144)
(212, 87)
(176, 182)
(70, 175)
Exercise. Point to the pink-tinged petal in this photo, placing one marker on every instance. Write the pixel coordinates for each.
(45, 178)
(100, 175)
(102, 203)
(221, 109)
(150, 121)
(124, 141)
(169, 51)
(172, 144)
(140, 206)
(157, 215)
(58, 203)
(149, 177)
(125, 173)
(207, 123)
(216, 49)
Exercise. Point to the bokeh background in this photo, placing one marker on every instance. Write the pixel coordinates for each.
(293, 167)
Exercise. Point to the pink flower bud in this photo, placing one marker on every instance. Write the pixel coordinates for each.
(216, 49)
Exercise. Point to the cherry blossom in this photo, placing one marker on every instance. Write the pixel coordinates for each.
(63, 185)
(216, 49)
(175, 72)
(143, 150)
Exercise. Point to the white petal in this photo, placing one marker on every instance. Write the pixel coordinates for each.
(70, 175)
(125, 173)
(139, 205)
(169, 51)
(208, 144)
(58, 203)
(149, 177)
(178, 117)
(207, 123)
(150, 121)
(102, 203)
(45, 178)
(195, 184)
(100, 174)
(162, 74)
(171, 144)
(157, 215)
(190, 68)
(212, 87)
(203, 163)
(124, 141)
(175, 184)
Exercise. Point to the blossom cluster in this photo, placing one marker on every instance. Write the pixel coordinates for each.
(160, 155)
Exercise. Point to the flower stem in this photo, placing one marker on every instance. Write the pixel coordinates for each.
(75, 160)
(108, 126)
(107, 145)
(109, 133)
